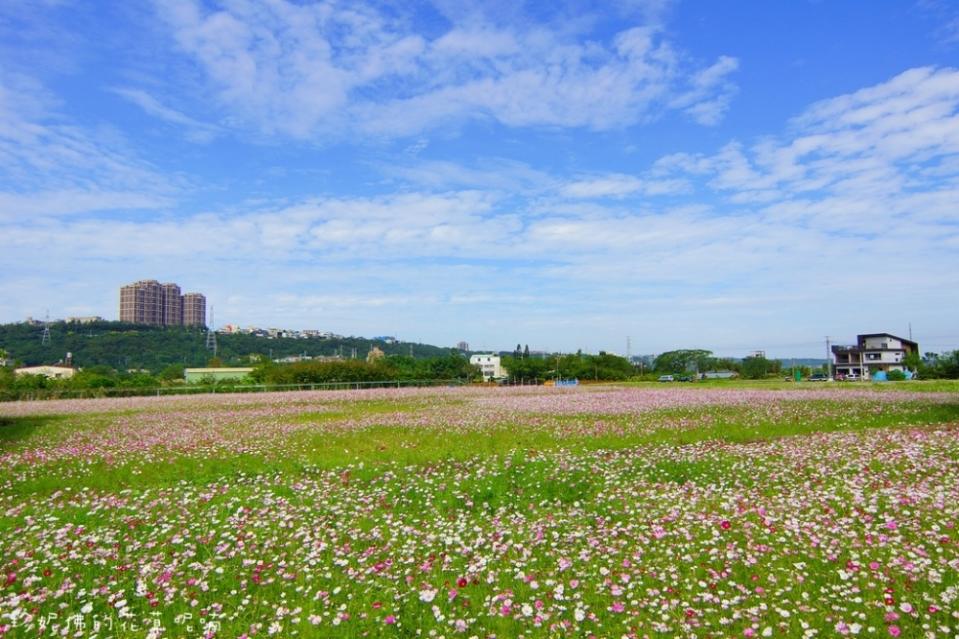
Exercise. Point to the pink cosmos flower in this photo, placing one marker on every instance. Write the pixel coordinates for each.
(895, 631)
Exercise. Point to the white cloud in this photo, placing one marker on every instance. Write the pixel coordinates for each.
(858, 194)
(197, 131)
(51, 166)
(858, 160)
(43, 203)
(323, 70)
(618, 185)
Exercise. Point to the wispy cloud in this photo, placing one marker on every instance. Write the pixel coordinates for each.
(50, 166)
(855, 188)
(310, 71)
(196, 131)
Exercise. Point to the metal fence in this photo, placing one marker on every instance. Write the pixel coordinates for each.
(90, 393)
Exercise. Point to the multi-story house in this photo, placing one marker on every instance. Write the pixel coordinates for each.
(872, 353)
(491, 366)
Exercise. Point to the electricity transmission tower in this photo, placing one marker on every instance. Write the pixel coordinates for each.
(45, 338)
(211, 335)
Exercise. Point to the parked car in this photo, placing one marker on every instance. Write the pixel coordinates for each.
(819, 377)
(666, 378)
(852, 377)
(684, 378)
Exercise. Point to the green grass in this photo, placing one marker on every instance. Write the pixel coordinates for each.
(778, 383)
(552, 486)
(375, 447)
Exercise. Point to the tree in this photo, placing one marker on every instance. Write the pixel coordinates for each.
(680, 361)
(912, 361)
(526, 352)
(520, 368)
(758, 367)
(172, 372)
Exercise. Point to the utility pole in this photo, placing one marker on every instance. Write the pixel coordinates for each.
(629, 349)
(828, 358)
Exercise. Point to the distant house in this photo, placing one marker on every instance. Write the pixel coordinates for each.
(192, 375)
(53, 372)
(490, 365)
(872, 353)
(719, 375)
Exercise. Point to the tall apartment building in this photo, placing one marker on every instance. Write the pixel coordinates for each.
(140, 303)
(150, 302)
(194, 309)
(171, 305)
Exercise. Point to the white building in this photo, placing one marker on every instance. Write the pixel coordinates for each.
(872, 353)
(490, 365)
(54, 372)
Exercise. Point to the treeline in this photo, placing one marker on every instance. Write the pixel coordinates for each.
(605, 367)
(392, 368)
(95, 378)
(700, 361)
(124, 346)
(939, 366)
(103, 380)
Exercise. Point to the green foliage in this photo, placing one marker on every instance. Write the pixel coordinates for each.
(684, 360)
(895, 376)
(396, 367)
(528, 368)
(125, 346)
(940, 366)
(173, 372)
(604, 367)
(759, 367)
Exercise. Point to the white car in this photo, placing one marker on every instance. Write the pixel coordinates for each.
(666, 378)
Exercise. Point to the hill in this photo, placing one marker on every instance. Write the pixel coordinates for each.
(132, 346)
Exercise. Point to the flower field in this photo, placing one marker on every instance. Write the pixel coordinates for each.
(504, 512)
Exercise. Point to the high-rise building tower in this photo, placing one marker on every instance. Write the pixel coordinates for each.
(140, 303)
(194, 309)
(150, 302)
(171, 305)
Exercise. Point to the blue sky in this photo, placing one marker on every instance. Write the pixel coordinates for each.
(732, 176)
